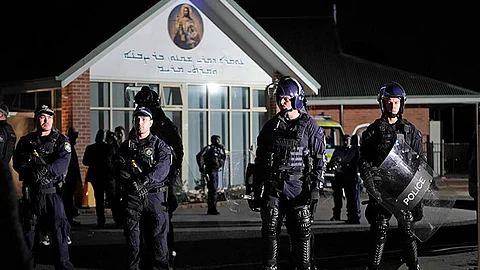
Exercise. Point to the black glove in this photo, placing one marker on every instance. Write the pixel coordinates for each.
(372, 189)
(37, 160)
(255, 204)
(140, 190)
(175, 172)
(40, 175)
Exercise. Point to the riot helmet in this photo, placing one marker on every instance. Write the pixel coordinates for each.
(388, 90)
(354, 140)
(4, 109)
(146, 97)
(288, 86)
(346, 139)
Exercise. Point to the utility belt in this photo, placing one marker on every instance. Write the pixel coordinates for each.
(48, 190)
(158, 189)
(27, 191)
(164, 189)
(285, 176)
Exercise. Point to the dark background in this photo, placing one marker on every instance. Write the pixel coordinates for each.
(437, 39)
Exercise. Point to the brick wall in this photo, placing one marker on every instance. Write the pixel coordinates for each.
(76, 113)
(354, 115)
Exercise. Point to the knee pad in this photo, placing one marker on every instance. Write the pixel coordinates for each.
(407, 232)
(304, 221)
(380, 228)
(269, 221)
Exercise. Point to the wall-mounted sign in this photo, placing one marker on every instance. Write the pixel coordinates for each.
(178, 44)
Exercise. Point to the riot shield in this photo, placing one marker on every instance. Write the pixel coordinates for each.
(410, 186)
(234, 182)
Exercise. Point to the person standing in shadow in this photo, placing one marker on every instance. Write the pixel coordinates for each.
(210, 160)
(98, 158)
(352, 181)
(71, 179)
(340, 177)
(16, 255)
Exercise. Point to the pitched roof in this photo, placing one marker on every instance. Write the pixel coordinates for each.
(226, 14)
(56, 43)
(347, 79)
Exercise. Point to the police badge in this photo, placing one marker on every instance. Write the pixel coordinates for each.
(148, 152)
(68, 147)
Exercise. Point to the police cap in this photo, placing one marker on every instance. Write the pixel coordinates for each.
(43, 109)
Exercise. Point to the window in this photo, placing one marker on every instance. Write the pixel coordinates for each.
(259, 98)
(99, 95)
(218, 97)
(119, 97)
(197, 96)
(224, 111)
(240, 98)
(171, 96)
(98, 120)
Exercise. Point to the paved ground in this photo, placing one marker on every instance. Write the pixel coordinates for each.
(230, 240)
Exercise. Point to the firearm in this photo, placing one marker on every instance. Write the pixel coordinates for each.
(136, 169)
(37, 159)
(205, 178)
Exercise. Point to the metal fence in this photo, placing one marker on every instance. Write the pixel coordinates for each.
(448, 159)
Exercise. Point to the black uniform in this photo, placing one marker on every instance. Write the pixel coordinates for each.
(167, 131)
(352, 181)
(340, 177)
(377, 141)
(141, 168)
(290, 154)
(42, 178)
(210, 160)
(7, 141)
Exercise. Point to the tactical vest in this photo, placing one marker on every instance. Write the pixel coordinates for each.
(286, 150)
(389, 135)
(46, 148)
(143, 152)
(10, 138)
(213, 157)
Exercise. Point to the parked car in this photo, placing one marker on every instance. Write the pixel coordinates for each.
(359, 129)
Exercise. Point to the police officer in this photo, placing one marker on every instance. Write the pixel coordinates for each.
(72, 178)
(340, 178)
(210, 160)
(377, 141)
(8, 138)
(290, 152)
(41, 160)
(141, 165)
(166, 130)
(352, 181)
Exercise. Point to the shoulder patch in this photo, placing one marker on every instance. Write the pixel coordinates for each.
(148, 152)
(68, 147)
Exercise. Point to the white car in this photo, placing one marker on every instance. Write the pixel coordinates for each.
(359, 129)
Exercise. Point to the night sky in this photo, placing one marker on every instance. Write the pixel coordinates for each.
(435, 39)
